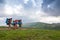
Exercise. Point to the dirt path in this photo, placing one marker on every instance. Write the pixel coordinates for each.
(6, 28)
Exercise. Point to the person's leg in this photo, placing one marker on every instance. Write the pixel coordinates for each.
(9, 26)
(16, 26)
(20, 25)
(13, 24)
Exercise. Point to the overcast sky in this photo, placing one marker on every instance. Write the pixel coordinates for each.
(47, 11)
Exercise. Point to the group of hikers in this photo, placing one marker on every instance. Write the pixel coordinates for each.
(15, 23)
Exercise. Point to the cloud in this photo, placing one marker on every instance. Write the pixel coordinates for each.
(51, 19)
(34, 3)
(2, 4)
(39, 16)
(30, 10)
(26, 1)
(1, 1)
(8, 10)
(18, 10)
(51, 7)
(2, 21)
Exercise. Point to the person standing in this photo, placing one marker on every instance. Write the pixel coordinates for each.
(15, 24)
(20, 23)
(8, 22)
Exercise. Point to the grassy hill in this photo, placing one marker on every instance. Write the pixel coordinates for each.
(29, 34)
(42, 25)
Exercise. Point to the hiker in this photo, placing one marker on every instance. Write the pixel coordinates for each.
(8, 22)
(20, 23)
(15, 24)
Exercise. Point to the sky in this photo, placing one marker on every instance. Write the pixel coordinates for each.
(47, 11)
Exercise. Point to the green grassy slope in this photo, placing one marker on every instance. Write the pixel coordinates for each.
(29, 34)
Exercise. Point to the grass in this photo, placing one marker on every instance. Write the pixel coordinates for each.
(29, 34)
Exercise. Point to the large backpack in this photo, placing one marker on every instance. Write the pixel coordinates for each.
(7, 20)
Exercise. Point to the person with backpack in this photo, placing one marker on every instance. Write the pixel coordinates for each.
(15, 24)
(20, 23)
(8, 22)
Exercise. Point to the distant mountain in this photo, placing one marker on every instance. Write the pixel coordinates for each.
(42, 25)
(56, 26)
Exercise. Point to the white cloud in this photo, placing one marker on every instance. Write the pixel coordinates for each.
(8, 10)
(37, 3)
(50, 19)
(26, 1)
(19, 10)
(1, 18)
(2, 21)
(40, 16)
(14, 10)
(34, 3)
(36, 15)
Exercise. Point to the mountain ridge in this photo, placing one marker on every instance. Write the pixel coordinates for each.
(42, 25)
